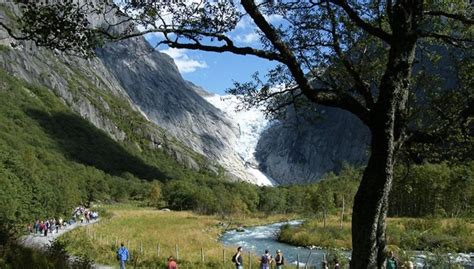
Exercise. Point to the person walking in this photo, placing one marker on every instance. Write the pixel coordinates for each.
(265, 260)
(237, 259)
(122, 255)
(324, 265)
(46, 228)
(37, 226)
(279, 260)
(336, 264)
(172, 263)
(391, 261)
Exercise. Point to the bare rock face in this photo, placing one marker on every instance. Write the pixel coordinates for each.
(153, 82)
(299, 149)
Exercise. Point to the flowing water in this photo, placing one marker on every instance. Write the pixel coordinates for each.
(258, 239)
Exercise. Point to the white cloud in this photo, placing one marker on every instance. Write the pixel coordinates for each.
(273, 18)
(245, 23)
(182, 60)
(248, 38)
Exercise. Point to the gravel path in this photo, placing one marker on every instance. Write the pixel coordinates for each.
(41, 242)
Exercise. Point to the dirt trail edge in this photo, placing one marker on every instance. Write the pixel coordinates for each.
(41, 242)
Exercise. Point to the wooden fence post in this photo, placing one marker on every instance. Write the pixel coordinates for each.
(223, 258)
(250, 260)
(342, 211)
(158, 249)
(298, 261)
(177, 252)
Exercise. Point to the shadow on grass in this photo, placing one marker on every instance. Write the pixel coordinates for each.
(82, 142)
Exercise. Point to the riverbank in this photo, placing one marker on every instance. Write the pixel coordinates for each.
(153, 235)
(456, 235)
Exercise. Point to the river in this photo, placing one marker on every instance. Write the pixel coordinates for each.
(257, 239)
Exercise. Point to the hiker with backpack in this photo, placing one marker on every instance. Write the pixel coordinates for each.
(237, 259)
(122, 255)
(265, 260)
(279, 260)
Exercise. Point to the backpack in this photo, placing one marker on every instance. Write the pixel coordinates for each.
(264, 259)
(118, 255)
(281, 259)
(234, 258)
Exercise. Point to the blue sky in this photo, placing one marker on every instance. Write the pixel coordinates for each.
(216, 72)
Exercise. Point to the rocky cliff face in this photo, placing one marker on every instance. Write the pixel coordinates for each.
(153, 82)
(91, 89)
(298, 149)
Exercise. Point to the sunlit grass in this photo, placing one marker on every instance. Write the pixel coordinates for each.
(402, 233)
(152, 235)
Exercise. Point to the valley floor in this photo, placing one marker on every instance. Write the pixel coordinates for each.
(152, 236)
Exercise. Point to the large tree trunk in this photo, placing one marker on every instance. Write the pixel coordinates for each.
(370, 204)
(388, 120)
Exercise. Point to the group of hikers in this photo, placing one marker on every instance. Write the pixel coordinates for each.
(51, 225)
(266, 260)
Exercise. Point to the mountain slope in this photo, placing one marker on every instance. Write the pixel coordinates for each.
(93, 92)
(153, 82)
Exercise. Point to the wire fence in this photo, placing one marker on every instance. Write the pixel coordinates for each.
(144, 256)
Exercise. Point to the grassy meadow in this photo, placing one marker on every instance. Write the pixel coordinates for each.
(147, 231)
(447, 234)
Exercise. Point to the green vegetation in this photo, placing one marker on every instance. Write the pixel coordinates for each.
(51, 159)
(402, 233)
(442, 194)
(144, 229)
(4, 48)
(441, 190)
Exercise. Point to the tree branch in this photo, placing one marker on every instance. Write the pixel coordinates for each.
(454, 41)
(319, 96)
(228, 47)
(375, 31)
(360, 86)
(237, 50)
(457, 17)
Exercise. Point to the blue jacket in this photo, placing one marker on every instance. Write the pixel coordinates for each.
(122, 253)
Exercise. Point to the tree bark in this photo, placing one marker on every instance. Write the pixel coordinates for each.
(387, 127)
(370, 203)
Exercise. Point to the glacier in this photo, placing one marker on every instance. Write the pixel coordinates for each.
(251, 124)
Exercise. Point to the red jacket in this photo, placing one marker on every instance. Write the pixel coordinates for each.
(172, 265)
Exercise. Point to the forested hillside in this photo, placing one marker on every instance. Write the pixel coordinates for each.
(51, 159)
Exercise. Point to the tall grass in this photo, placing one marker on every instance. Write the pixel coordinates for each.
(152, 236)
(402, 233)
